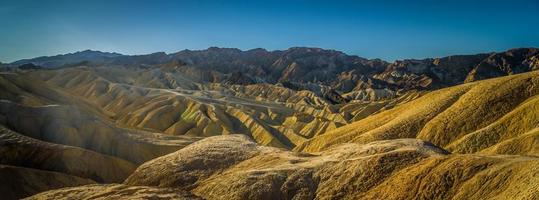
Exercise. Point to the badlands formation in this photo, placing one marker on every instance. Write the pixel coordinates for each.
(303, 123)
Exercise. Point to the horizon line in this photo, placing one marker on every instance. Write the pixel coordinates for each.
(269, 50)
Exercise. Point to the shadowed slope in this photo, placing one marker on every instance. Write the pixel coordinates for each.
(70, 126)
(19, 150)
(20, 182)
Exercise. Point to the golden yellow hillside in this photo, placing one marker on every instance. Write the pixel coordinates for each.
(491, 116)
(235, 167)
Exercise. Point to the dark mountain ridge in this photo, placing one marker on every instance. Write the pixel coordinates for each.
(306, 65)
(70, 58)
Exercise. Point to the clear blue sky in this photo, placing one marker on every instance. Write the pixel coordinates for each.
(372, 29)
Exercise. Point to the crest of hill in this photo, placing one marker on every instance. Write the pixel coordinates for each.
(235, 167)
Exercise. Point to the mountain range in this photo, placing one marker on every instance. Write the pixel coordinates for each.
(314, 65)
(301, 123)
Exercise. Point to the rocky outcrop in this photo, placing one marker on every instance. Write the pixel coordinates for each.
(514, 61)
(453, 70)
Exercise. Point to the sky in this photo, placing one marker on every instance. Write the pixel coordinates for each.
(372, 29)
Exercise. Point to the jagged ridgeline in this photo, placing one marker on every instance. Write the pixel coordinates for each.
(301, 123)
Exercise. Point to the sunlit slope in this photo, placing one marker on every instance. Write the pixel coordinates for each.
(514, 133)
(235, 167)
(466, 118)
(116, 191)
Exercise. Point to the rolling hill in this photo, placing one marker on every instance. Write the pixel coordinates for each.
(235, 167)
(495, 115)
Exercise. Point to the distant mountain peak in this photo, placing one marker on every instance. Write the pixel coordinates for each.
(69, 58)
(95, 53)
